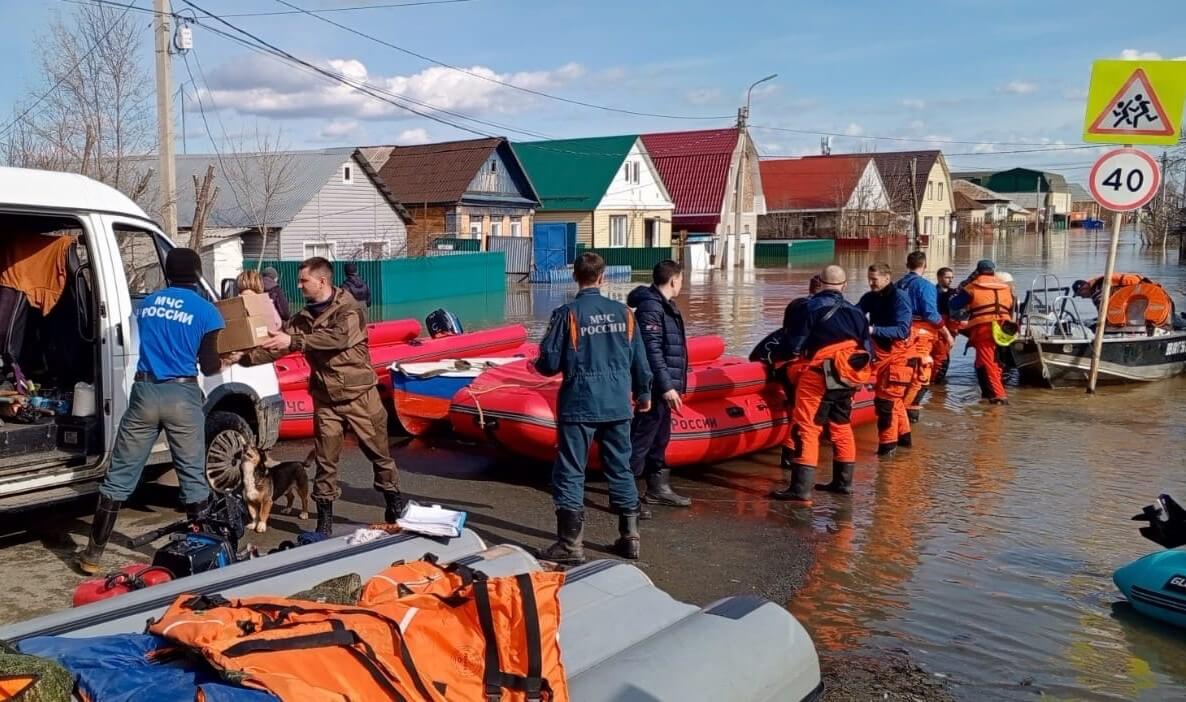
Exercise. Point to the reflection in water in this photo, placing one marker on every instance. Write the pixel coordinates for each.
(987, 549)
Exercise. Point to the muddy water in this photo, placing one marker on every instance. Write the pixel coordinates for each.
(987, 550)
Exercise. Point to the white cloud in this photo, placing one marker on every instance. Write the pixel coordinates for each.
(1019, 87)
(853, 129)
(257, 85)
(338, 129)
(914, 103)
(1138, 55)
(917, 124)
(419, 135)
(702, 96)
(1075, 94)
(983, 148)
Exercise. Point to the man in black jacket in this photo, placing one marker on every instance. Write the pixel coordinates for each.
(666, 343)
(356, 286)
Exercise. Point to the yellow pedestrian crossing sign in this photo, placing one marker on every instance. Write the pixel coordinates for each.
(1135, 102)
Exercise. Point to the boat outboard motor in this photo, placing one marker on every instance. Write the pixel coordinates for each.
(442, 322)
(1167, 522)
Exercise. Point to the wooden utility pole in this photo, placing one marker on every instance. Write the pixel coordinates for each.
(164, 116)
(916, 225)
(1164, 207)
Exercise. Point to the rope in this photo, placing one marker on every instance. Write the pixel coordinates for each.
(478, 405)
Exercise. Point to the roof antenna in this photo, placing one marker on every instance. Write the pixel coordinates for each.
(825, 145)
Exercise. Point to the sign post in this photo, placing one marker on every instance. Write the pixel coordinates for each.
(1121, 180)
(1129, 102)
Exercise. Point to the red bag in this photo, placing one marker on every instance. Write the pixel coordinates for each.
(129, 578)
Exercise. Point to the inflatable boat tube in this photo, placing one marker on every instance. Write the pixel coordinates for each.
(703, 349)
(421, 392)
(293, 371)
(1155, 585)
(393, 331)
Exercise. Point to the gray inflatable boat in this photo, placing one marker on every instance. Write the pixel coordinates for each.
(622, 639)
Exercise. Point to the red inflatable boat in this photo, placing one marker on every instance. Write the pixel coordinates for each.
(730, 409)
(390, 342)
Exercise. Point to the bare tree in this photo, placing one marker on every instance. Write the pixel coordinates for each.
(259, 180)
(93, 108)
(205, 193)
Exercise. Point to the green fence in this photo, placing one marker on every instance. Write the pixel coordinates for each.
(782, 253)
(400, 281)
(639, 258)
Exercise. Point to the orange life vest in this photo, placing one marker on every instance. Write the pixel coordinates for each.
(425, 575)
(991, 301)
(492, 639)
(1119, 280)
(1138, 304)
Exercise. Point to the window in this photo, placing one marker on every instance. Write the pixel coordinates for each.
(930, 190)
(516, 226)
(617, 230)
(325, 249)
(494, 166)
(143, 255)
(496, 226)
(940, 190)
(926, 226)
(347, 174)
(374, 250)
(475, 226)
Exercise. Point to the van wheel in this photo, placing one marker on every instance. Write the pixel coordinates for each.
(227, 434)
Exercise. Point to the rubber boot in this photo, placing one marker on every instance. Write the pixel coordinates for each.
(196, 511)
(841, 478)
(885, 450)
(798, 488)
(659, 491)
(905, 440)
(325, 518)
(998, 401)
(89, 561)
(395, 506)
(644, 512)
(940, 376)
(885, 419)
(569, 548)
(628, 543)
(982, 380)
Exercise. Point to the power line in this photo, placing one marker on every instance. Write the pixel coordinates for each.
(5, 129)
(490, 79)
(350, 9)
(810, 132)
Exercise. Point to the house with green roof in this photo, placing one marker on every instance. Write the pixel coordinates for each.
(606, 187)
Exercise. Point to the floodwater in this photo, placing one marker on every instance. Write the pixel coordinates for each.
(987, 550)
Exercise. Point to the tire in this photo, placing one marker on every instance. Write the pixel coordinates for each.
(227, 434)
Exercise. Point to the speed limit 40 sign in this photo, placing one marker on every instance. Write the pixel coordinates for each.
(1125, 179)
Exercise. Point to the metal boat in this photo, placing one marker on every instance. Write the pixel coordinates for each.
(1054, 344)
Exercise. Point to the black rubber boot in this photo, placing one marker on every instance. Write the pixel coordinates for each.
(940, 376)
(884, 450)
(89, 561)
(659, 491)
(913, 415)
(325, 518)
(905, 440)
(885, 419)
(841, 479)
(998, 401)
(395, 506)
(798, 489)
(644, 512)
(628, 543)
(569, 548)
(982, 380)
(196, 511)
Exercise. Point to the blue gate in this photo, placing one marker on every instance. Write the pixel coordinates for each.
(555, 244)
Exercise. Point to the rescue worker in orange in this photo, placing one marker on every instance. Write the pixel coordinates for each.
(890, 317)
(1094, 288)
(927, 327)
(941, 353)
(829, 339)
(985, 300)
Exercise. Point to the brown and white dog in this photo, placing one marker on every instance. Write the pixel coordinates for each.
(264, 483)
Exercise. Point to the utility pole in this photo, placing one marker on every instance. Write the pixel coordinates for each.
(916, 225)
(1038, 206)
(742, 169)
(1164, 207)
(164, 116)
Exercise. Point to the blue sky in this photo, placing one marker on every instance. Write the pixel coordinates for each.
(968, 70)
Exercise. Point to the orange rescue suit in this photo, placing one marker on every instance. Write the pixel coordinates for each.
(492, 639)
(815, 403)
(991, 300)
(894, 372)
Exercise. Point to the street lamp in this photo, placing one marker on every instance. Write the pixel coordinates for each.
(742, 120)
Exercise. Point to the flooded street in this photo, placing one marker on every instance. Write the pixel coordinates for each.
(987, 550)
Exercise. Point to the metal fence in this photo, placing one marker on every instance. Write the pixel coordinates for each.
(638, 258)
(517, 250)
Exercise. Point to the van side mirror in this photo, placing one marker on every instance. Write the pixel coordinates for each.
(228, 288)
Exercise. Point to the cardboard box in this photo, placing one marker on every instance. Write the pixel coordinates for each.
(244, 307)
(242, 334)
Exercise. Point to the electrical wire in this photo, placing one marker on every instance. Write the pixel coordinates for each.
(352, 8)
(6, 128)
(811, 132)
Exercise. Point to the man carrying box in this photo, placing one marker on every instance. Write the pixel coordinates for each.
(331, 332)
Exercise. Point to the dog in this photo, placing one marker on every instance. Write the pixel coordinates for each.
(264, 484)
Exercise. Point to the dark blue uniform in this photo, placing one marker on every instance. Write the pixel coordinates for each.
(923, 296)
(807, 332)
(890, 315)
(662, 328)
(594, 343)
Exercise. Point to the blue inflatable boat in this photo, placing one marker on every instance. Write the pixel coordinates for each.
(1155, 585)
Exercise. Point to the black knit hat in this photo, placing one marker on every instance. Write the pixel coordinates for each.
(183, 267)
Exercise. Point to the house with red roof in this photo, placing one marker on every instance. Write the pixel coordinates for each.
(699, 169)
(824, 197)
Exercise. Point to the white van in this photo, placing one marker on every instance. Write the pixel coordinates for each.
(114, 258)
